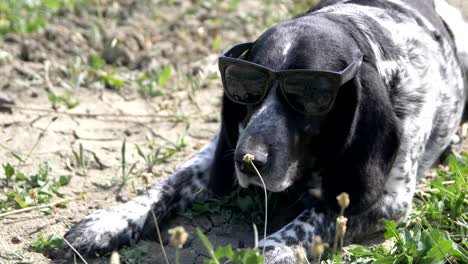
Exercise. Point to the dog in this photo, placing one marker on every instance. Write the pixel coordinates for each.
(366, 94)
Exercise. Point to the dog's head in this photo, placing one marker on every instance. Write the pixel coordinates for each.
(283, 141)
(288, 145)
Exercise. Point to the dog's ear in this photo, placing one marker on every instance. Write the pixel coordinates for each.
(361, 140)
(222, 176)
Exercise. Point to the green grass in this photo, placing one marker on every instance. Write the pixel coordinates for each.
(23, 16)
(45, 244)
(22, 190)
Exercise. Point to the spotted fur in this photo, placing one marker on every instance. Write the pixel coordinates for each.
(388, 126)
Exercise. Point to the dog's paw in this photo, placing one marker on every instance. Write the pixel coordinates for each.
(280, 255)
(100, 233)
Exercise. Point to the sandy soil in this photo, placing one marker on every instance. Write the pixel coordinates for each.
(147, 35)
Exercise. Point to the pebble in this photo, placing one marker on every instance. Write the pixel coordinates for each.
(5, 57)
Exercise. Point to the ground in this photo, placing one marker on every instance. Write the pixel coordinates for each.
(56, 94)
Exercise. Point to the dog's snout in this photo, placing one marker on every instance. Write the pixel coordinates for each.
(260, 161)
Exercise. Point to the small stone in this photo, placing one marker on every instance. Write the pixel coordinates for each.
(16, 240)
(7, 99)
(117, 56)
(121, 198)
(5, 57)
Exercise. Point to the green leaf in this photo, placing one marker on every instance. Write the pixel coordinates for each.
(439, 251)
(205, 241)
(21, 176)
(96, 61)
(64, 180)
(391, 232)
(164, 77)
(359, 251)
(140, 152)
(40, 244)
(9, 171)
(122, 155)
(112, 82)
(216, 43)
(459, 252)
(16, 156)
(254, 258)
(20, 201)
(386, 260)
(224, 252)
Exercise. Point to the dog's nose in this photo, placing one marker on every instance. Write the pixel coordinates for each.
(260, 161)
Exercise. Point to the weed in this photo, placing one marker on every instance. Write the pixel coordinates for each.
(18, 188)
(436, 231)
(226, 253)
(80, 161)
(24, 16)
(68, 100)
(152, 82)
(43, 244)
(94, 73)
(249, 158)
(123, 162)
(153, 157)
(216, 43)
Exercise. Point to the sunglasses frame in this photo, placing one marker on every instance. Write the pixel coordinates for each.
(231, 57)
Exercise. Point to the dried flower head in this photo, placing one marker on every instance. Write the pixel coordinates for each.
(318, 247)
(248, 157)
(299, 255)
(33, 193)
(343, 200)
(341, 225)
(178, 236)
(115, 258)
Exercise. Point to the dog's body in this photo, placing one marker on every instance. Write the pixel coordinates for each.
(387, 127)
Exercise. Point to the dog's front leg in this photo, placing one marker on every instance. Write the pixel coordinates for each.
(280, 246)
(105, 230)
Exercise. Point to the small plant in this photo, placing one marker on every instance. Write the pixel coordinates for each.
(24, 16)
(226, 253)
(94, 73)
(19, 186)
(436, 231)
(249, 158)
(153, 157)
(152, 82)
(68, 100)
(43, 244)
(414, 245)
(80, 161)
(123, 162)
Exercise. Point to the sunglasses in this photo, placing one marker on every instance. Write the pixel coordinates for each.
(309, 92)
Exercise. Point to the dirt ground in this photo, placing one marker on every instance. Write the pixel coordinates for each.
(134, 37)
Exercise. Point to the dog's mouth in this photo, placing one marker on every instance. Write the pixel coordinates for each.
(272, 184)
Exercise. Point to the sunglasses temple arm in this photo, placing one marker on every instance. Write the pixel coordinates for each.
(350, 72)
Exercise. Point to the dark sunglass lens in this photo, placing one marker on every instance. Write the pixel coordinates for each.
(245, 84)
(310, 95)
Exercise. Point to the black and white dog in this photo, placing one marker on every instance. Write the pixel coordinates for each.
(392, 73)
